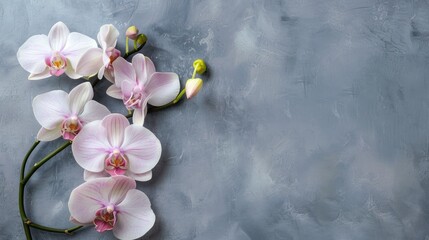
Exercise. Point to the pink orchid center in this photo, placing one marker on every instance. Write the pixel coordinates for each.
(70, 127)
(57, 64)
(116, 163)
(105, 219)
(113, 54)
(136, 98)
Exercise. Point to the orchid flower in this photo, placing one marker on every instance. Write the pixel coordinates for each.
(114, 147)
(112, 204)
(98, 60)
(62, 114)
(59, 52)
(137, 84)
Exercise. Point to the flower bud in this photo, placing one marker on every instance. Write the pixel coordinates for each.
(132, 32)
(200, 66)
(193, 86)
(141, 39)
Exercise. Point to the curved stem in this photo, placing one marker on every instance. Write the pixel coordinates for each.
(21, 192)
(55, 230)
(26, 221)
(43, 161)
(127, 54)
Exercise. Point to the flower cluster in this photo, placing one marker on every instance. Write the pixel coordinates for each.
(113, 153)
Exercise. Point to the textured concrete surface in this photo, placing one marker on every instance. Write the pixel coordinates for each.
(313, 122)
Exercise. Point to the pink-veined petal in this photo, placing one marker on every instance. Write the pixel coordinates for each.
(163, 88)
(120, 186)
(142, 177)
(139, 65)
(115, 125)
(109, 75)
(89, 197)
(124, 71)
(93, 111)
(90, 62)
(87, 175)
(37, 76)
(107, 36)
(150, 67)
(142, 148)
(114, 92)
(31, 55)
(51, 108)
(135, 217)
(58, 36)
(71, 73)
(127, 88)
(138, 116)
(79, 96)
(101, 72)
(90, 147)
(77, 44)
(49, 135)
(86, 199)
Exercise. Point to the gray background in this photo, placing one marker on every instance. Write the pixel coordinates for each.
(313, 122)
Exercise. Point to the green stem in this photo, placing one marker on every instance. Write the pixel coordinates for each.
(127, 54)
(21, 191)
(43, 161)
(27, 223)
(127, 39)
(176, 100)
(55, 230)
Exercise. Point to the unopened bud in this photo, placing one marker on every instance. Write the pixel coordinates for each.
(200, 66)
(193, 86)
(132, 32)
(141, 39)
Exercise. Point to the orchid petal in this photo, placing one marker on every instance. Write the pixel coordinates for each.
(138, 116)
(89, 197)
(114, 92)
(90, 147)
(49, 134)
(163, 88)
(90, 62)
(51, 108)
(135, 216)
(79, 96)
(119, 188)
(32, 54)
(101, 70)
(124, 71)
(143, 177)
(87, 175)
(77, 44)
(115, 125)
(150, 67)
(71, 73)
(107, 36)
(139, 65)
(127, 88)
(58, 36)
(37, 76)
(109, 74)
(142, 148)
(93, 111)
(86, 199)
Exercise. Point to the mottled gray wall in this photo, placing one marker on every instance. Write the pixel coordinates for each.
(313, 122)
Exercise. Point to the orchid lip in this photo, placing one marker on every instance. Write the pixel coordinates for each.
(57, 63)
(70, 127)
(116, 163)
(105, 219)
